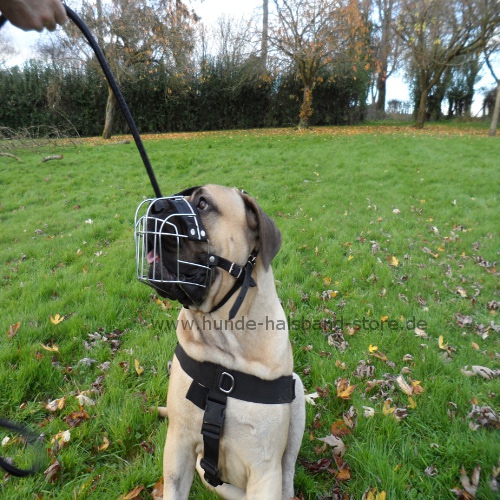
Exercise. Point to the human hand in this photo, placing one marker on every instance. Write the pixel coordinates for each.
(34, 14)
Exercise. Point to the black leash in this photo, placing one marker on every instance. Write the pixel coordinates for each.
(116, 91)
(30, 437)
(4, 464)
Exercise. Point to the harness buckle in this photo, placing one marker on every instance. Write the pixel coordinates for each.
(222, 379)
(213, 419)
(211, 473)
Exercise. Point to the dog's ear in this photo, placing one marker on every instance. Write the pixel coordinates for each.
(269, 234)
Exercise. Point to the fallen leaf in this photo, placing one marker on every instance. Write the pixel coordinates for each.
(311, 397)
(339, 429)
(76, 418)
(134, 494)
(442, 345)
(372, 348)
(157, 493)
(469, 485)
(421, 333)
(344, 473)
(387, 408)
(138, 368)
(53, 348)
(85, 400)
(368, 411)
(104, 445)
(13, 329)
(351, 418)
(324, 464)
(56, 404)
(482, 371)
(462, 292)
(431, 471)
(53, 472)
(344, 390)
(56, 319)
(62, 437)
(394, 261)
(373, 494)
(336, 443)
(404, 386)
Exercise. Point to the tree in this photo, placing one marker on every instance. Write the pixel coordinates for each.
(311, 33)
(136, 36)
(265, 34)
(491, 48)
(437, 32)
(386, 47)
(7, 50)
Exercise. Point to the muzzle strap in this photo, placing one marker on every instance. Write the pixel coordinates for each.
(243, 277)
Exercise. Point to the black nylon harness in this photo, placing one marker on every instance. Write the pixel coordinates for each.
(212, 385)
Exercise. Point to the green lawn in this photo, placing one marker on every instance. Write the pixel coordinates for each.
(383, 228)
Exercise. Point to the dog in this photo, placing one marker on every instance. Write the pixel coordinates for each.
(232, 320)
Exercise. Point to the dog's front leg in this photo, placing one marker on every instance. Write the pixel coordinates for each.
(179, 461)
(264, 484)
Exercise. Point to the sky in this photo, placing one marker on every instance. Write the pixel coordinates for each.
(210, 11)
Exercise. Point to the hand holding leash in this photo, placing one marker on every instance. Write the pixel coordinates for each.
(34, 14)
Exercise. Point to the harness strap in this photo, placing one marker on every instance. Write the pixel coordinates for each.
(212, 385)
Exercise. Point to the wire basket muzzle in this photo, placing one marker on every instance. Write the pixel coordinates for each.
(162, 258)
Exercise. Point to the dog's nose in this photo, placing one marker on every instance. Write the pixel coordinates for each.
(158, 207)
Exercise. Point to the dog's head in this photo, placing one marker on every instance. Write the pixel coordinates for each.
(179, 234)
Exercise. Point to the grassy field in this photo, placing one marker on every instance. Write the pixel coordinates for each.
(385, 229)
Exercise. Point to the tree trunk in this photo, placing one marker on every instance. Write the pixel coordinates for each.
(110, 115)
(422, 108)
(496, 112)
(306, 109)
(265, 34)
(381, 93)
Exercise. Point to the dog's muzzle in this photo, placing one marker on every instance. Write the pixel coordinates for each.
(172, 249)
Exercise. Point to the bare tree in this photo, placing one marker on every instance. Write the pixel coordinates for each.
(310, 33)
(265, 33)
(387, 47)
(135, 36)
(7, 50)
(492, 48)
(436, 32)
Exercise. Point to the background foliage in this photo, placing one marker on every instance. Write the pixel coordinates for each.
(220, 97)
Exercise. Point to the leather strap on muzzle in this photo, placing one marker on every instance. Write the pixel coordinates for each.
(243, 277)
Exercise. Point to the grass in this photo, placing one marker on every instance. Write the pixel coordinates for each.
(66, 247)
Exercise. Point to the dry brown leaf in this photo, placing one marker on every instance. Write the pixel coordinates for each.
(339, 429)
(12, 331)
(344, 389)
(53, 472)
(157, 493)
(135, 493)
(336, 443)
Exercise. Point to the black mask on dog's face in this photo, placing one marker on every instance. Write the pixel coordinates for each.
(172, 249)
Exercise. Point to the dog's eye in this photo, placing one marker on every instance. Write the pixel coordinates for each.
(202, 204)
